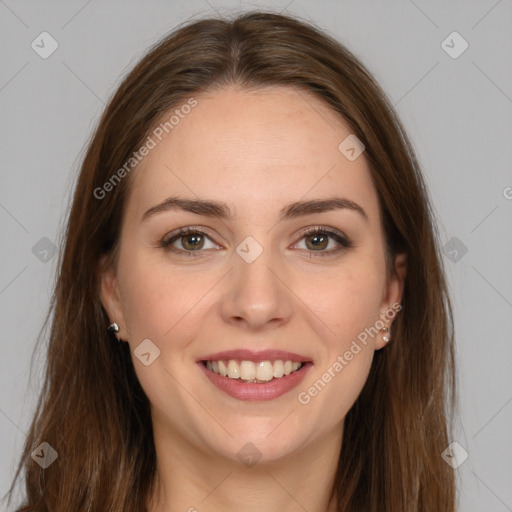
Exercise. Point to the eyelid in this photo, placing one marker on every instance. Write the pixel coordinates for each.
(324, 229)
(341, 239)
(166, 241)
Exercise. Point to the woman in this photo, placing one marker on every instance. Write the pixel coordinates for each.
(251, 309)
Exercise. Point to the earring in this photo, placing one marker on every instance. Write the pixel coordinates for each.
(113, 329)
(385, 337)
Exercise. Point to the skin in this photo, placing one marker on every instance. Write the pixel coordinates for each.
(257, 151)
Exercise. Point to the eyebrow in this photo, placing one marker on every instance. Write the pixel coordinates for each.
(221, 210)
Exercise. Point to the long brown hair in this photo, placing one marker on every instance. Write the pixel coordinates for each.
(92, 409)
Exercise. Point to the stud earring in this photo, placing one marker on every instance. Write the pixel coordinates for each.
(114, 329)
(385, 337)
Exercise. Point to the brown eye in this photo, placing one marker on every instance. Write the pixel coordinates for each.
(317, 241)
(191, 240)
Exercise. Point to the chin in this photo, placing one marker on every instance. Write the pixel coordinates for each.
(260, 441)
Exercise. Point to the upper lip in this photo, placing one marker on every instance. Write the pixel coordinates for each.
(256, 356)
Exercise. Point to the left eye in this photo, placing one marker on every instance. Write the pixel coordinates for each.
(319, 240)
(192, 240)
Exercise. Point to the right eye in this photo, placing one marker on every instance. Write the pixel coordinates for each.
(190, 239)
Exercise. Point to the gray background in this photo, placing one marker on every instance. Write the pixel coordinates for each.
(458, 112)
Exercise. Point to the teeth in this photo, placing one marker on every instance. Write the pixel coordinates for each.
(278, 369)
(223, 370)
(247, 370)
(263, 371)
(233, 370)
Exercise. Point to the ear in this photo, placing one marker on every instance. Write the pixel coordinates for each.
(392, 294)
(110, 297)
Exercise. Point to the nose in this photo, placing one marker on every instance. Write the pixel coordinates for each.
(257, 296)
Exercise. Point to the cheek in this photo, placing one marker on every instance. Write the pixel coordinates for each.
(153, 299)
(160, 304)
(164, 307)
(351, 308)
(351, 302)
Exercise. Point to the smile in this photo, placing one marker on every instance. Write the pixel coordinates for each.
(248, 375)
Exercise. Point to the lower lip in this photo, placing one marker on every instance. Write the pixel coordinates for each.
(241, 390)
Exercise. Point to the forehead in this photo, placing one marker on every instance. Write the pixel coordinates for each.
(255, 150)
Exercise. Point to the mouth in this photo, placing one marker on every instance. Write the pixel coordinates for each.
(248, 375)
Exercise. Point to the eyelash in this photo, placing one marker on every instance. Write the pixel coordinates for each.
(341, 239)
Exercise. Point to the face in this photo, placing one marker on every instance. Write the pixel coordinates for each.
(268, 284)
